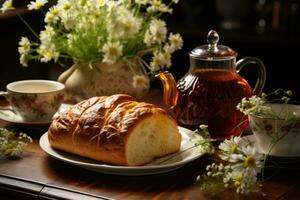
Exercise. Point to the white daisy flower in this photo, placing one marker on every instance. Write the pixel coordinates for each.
(35, 5)
(230, 149)
(112, 52)
(243, 182)
(251, 162)
(157, 61)
(166, 59)
(131, 25)
(253, 105)
(175, 41)
(47, 34)
(7, 5)
(52, 16)
(140, 81)
(158, 6)
(158, 30)
(48, 53)
(123, 24)
(68, 13)
(24, 45)
(64, 5)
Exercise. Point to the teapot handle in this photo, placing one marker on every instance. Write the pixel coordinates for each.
(261, 80)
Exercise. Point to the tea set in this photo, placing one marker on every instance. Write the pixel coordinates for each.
(207, 94)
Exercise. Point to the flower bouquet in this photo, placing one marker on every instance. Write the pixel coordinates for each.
(237, 163)
(12, 144)
(100, 34)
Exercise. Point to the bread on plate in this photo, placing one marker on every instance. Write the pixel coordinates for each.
(116, 130)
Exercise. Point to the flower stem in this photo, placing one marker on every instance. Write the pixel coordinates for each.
(270, 147)
(240, 123)
(171, 157)
(28, 26)
(130, 65)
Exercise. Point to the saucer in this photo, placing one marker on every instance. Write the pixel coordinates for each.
(11, 117)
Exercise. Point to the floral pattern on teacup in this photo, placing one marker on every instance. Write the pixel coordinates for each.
(272, 126)
(283, 135)
(36, 106)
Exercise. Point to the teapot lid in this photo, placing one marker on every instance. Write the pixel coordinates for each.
(213, 51)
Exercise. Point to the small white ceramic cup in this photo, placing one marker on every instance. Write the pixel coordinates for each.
(34, 100)
(277, 137)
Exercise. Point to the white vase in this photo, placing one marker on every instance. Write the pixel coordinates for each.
(101, 79)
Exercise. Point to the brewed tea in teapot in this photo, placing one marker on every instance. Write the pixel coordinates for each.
(212, 88)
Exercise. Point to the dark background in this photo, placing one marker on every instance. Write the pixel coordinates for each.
(267, 29)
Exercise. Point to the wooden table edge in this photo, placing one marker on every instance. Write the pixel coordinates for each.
(34, 189)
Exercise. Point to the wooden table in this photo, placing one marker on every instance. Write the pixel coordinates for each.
(38, 176)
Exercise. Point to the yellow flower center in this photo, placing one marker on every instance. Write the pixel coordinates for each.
(54, 12)
(157, 61)
(238, 181)
(174, 41)
(113, 51)
(249, 161)
(49, 54)
(26, 46)
(66, 6)
(38, 4)
(158, 35)
(141, 81)
(96, 15)
(234, 148)
(50, 17)
(237, 184)
(157, 3)
(8, 4)
(127, 26)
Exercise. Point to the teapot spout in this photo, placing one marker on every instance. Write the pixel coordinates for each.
(170, 93)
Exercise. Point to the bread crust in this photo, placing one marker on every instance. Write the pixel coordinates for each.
(99, 128)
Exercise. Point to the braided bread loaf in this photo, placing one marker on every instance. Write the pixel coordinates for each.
(116, 130)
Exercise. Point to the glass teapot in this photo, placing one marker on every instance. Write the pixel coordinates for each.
(212, 88)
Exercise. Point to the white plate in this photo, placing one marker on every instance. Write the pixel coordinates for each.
(10, 116)
(171, 162)
(251, 139)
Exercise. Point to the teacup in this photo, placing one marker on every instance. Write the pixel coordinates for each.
(278, 137)
(34, 100)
